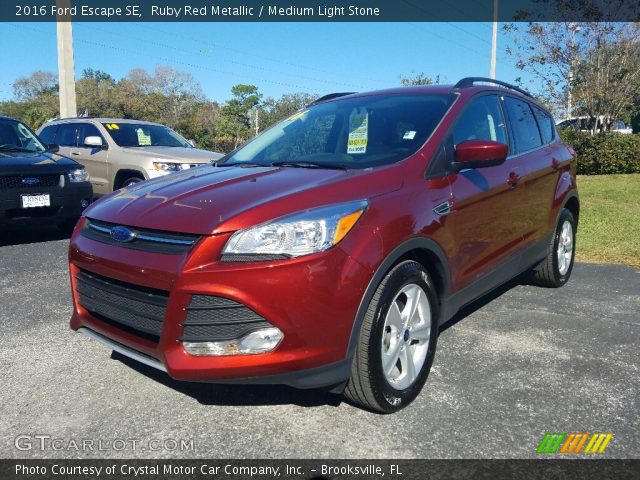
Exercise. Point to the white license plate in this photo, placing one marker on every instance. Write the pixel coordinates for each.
(40, 200)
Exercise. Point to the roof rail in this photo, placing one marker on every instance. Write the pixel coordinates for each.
(470, 81)
(331, 96)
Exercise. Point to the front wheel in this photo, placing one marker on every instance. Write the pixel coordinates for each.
(397, 341)
(554, 271)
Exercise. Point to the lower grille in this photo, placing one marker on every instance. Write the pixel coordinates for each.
(212, 319)
(136, 309)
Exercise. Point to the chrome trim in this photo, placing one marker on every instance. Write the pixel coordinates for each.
(126, 351)
(172, 241)
(99, 228)
(144, 236)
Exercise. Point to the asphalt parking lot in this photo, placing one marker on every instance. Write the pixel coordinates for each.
(508, 370)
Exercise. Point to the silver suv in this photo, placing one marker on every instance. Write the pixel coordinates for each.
(119, 152)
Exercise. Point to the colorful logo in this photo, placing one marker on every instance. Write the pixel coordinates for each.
(593, 443)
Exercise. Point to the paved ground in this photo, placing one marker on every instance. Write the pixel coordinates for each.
(527, 362)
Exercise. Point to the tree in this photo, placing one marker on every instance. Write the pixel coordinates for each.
(418, 79)
(586, 68)
(35, 86)
(233, 125)
(272, 110)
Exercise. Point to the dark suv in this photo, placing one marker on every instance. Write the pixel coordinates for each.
(328, 250)
(36, 184)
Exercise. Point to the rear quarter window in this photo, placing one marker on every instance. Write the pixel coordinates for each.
(545, 123)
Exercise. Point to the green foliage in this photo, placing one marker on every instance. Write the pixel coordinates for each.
(233, 124)
(604, 153)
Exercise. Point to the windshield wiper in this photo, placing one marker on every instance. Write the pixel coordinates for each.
(16, 149)
(330, 166)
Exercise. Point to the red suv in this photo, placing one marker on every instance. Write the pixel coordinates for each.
(328, 250)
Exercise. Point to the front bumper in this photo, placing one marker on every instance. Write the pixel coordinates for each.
(313, 300)
(65, 204)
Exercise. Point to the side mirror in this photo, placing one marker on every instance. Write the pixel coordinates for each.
(192, 143)
(94, 142)
(53, 147)
(480, 153)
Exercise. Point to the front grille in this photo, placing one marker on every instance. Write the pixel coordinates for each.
(16, 181)
(136, 309)
(156, 241)
(213, 319)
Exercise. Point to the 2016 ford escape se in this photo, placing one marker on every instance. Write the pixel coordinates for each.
(328, 250)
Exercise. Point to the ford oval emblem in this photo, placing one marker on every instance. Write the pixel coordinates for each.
(31, 181)
(121, 234)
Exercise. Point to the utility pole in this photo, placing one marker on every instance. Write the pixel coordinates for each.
(66, 77)
(257, 121)
(573, 28)
(494, 40)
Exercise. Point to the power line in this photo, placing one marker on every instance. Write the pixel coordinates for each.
(235, 62)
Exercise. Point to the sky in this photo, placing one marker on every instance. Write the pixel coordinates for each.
(276, 57)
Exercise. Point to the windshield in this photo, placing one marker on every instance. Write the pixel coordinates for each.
(144, 135)
(348, 133)
(17, 137)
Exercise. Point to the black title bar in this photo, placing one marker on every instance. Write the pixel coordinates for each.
(327, 469)
(318, 11)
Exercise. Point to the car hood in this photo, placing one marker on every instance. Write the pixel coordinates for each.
(210, 200)
(176, 154)
(16, 163)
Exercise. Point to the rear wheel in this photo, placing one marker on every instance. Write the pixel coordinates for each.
(397, 341)
(554, 271)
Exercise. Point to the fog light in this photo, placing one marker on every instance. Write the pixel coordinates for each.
(260, 341)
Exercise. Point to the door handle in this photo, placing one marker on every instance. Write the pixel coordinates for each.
(75, 153)
(513, 179)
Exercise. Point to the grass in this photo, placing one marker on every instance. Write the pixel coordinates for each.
(609, 229)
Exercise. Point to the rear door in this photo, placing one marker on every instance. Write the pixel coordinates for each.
(95, 159)
(534, 162)
(485, 201)
(67, 138)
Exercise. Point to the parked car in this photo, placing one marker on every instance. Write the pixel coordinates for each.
(329, 250)
(36, 184)
(585, 124)
(118, 152)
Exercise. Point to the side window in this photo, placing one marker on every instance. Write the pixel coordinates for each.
(546, 125)
(67, 135)
(482, 120)
(523, 123)
(87, 130)
(48, 134)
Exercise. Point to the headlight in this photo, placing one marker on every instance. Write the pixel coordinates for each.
(78, 175)
(299, 234)
(168, 167)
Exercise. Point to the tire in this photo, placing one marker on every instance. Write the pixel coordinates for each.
(130, 181)
(380, 339)
(554, 271)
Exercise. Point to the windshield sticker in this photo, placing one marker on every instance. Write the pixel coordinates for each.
(358, 131)
(296, 116)
(112, 126)
(143, 138)
(410, 135)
